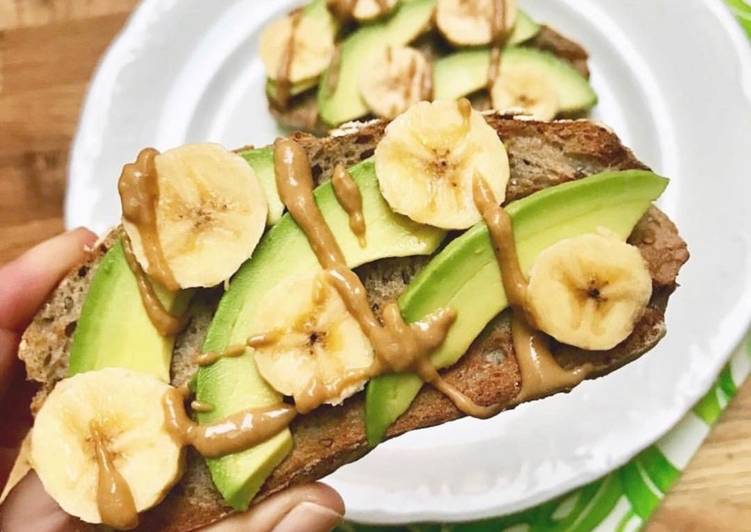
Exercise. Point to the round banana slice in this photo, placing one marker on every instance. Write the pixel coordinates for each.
(396, 79)
(315, 350)
(119, 409)
(312, 46)
(210, 215)
(525, 92)
(370, 9)
(428, 159)
(470, 22)
(589, 291)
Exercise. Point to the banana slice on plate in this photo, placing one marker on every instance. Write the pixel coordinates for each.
(396, 79)
(120, 410)
(525, 91)
(314, 350)
(370, 9)
(470, 22)
(428, 159)
(589, 291)
(311, 46)
(210, 215)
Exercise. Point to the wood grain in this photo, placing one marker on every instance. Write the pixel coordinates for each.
(48, 50)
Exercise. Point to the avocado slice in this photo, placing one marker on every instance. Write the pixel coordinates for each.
(232, 384)
(114, 329)
(339, 97)
(524, 29)
(465, 72)
(465, 275)
(262, 162)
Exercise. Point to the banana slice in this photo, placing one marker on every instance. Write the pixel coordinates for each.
(312, 46)
(210, 215)
(122, 410)
(589, 291)
(428, 158)
(369, 9)
(470, 22)
(313, 349)
(396, 79)
(525, 91)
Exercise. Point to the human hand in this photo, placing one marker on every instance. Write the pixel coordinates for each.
(24, 286)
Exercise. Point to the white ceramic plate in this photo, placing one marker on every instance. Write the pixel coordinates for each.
(674, 81)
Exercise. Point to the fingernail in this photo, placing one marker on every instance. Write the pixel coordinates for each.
(308, 516)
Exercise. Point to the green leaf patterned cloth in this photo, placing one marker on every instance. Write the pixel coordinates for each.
(623, 500)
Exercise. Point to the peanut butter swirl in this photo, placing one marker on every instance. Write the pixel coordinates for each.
(398, 346)
(237, 432)
(165, 323)
(139, 193)
(283, 82)
(349, 197)
(207, 359)
(113, 496)
(499, 35)
(539, 370)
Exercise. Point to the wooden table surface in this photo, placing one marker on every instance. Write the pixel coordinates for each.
(48, 50)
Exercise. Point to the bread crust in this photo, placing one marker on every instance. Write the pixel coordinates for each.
(541, 154)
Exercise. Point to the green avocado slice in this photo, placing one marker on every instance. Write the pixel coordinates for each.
(262, 162)
(232, 384)
(524, 29)
(114, 329)
(465, 72)
(465, 275)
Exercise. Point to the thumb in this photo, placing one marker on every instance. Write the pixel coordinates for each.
(312, 507)
(28, 507)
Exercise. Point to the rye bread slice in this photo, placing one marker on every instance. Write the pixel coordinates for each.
(541, 155)
(302, 112)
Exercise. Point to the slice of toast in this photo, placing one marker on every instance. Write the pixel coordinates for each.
(302, 111)
(541, 155)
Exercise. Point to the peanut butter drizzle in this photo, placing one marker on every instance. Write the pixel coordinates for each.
(498, 38)
(184, 390)
(237, 432)
(264, 339)
(317, 392)
(165, 323)
(341, 9)
(539, 370)
(113, 496)
(348, 196)
(139, 194)
(207, 359)
(200, 406)
(283, 82)
(398, 346)
(427, 84)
